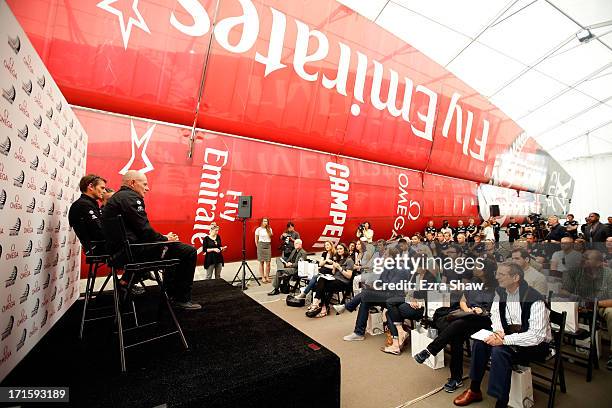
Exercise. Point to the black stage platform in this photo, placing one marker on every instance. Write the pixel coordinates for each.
(241, 355)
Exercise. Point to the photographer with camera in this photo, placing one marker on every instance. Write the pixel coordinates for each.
(364, 230)
(288, 239)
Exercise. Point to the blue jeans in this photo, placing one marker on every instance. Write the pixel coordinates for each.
(354, 303)
(362, 314)
(311, 285)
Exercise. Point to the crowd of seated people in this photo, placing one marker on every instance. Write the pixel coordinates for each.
(512, 303)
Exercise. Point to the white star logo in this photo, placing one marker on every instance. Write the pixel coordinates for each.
(125, 30)
(136, 143)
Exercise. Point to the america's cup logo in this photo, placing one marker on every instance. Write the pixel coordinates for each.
(137, 142)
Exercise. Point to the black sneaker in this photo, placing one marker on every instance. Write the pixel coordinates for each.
(422, 356)
(609, 364)
(452, 385)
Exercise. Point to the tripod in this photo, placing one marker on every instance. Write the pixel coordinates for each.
(244, 266)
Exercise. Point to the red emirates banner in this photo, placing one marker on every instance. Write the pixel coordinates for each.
(327, 196)
(312, 73)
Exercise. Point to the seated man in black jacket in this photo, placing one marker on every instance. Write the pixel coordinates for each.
(286, 268)
(521, 333)
(85, 216)
(129, 203)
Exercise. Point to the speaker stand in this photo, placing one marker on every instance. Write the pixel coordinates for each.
(244, 265)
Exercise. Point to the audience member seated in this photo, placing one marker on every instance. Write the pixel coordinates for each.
(373, 295)
(491, 251)
(459, 325)
(454, 272)
(325, 268)
(287, 268)
(328, 285)
(129, 203)
(566, 259)
(416, 245)
(533, 278)
(352, 250)
(592, 280)
(409, 306)
(368, 290)
(85, 216)
(364, 262)
(521, 333)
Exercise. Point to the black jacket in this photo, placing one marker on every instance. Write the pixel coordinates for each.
(127, 203)
(85, 217)
(596, 232)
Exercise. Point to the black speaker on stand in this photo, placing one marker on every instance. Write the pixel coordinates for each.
(244, 213)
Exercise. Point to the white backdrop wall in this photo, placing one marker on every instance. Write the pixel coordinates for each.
(42, 158)
(593, 190)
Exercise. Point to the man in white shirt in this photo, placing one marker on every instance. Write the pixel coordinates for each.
(535, 279)
(521, 333)
(567, 259)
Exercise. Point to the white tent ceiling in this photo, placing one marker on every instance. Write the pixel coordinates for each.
(525, 56)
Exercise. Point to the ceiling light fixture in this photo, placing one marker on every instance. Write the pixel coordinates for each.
(585, 36)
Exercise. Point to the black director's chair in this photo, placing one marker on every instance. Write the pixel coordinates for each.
(96, 256)
(124, 259)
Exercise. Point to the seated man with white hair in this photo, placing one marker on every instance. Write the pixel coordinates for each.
(521, 333)
(128, 202)
(286, 268)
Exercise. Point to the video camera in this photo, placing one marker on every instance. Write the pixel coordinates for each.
(535, 217)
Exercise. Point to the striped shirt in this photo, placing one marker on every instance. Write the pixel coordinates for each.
(539, 321)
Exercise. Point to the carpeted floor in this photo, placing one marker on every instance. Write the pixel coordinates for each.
(241, 355)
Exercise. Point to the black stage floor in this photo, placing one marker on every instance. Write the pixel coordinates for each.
(241, 355)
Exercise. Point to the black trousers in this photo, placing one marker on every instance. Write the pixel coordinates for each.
(502, 359)
(179, 280)
(455, 334)
(326, 288)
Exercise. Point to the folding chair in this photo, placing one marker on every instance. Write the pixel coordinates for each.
(115, 232)
(555, 355)
(592, 359)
